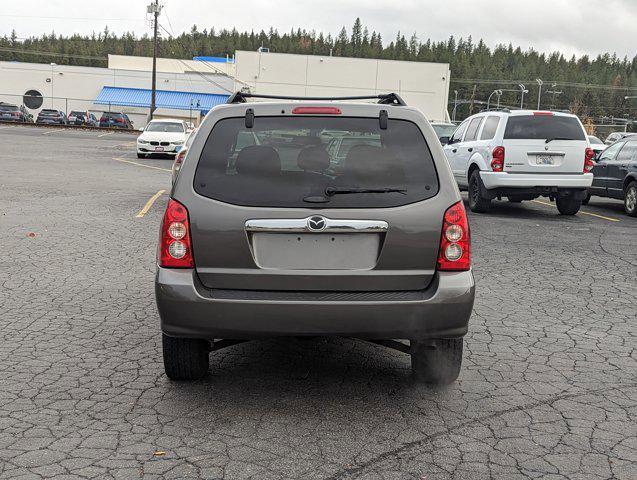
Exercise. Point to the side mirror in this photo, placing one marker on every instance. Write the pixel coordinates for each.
(445, 140)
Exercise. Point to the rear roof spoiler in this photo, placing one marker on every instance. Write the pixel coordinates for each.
(384, 99)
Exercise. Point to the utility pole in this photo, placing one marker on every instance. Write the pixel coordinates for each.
(555, 93)
(473, 98)
(154, 9)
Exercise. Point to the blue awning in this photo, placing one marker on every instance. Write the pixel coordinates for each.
(140, 97)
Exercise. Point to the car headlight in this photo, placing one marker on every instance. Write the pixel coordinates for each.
(139, 140)
(178, 143)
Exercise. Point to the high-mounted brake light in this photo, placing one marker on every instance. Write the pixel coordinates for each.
(547, 114)
(454, 254)
(175, 246)
(497, 162)
(589, 154)
(316, 111)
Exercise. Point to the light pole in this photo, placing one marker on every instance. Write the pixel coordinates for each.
(523, 90)
(455, 106)
(539, 93)
(496, 92)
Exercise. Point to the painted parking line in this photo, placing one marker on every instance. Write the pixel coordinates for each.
(105, 134)
(119, 159)
(149, 204)
(54, 131)
(610, 219)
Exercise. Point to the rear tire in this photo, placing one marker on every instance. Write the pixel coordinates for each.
(438, 366)
(630, 199)
(185, 358)
(477, 203)
(568, 205)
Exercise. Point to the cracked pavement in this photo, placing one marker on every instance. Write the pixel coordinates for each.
(548, 388)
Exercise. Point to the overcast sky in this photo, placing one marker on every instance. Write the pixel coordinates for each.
(570, 26)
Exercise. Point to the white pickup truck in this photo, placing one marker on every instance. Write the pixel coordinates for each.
(521, 155)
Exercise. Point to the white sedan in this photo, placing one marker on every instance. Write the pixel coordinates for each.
(165, 136)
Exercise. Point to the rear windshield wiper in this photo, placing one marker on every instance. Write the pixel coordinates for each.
(556, 138)
(331, 191)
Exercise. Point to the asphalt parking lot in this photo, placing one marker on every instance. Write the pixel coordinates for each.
(548, 388)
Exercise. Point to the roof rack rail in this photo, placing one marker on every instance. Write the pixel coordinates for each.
(385, 99)
(497, 109)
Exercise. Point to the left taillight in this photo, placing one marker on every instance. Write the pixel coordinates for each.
(175, 245)
(454, 254)
(589, 154)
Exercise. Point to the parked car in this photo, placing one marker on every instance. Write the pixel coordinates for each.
(165, 136)
(596, 144)
(615, 174)
(181, 154)
(522, 155)
(82, 117)
(115, 120)
(443, 130)
(52, 117)
(258, 242)
(613, 137)
(13, 113)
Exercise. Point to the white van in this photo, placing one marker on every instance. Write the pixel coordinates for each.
(522, 155)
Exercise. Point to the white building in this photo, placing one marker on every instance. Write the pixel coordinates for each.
(188, 88)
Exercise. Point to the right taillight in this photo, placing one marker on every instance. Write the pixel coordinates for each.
(497, 159)
(175, 246)
(589, 154)
(455, 242)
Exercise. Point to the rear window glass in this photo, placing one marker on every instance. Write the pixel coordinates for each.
(490, 127)
(291, 162)
(8, 108)
(536, 127)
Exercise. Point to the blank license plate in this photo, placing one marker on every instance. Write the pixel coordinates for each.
(159, 149)
(545, 160)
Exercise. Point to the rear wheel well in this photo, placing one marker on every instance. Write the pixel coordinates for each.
(472, 168)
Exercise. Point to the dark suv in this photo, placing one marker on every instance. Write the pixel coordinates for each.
(267, 233)
(49, 116)
(12, 113)
(115, 120)
(615, 174)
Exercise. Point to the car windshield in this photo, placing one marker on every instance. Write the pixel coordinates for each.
(49, 112)
(543, 127)
(8, 108)
(444, 130)
(288, 162)
(165, 127)
(77, 114)
(594, 139)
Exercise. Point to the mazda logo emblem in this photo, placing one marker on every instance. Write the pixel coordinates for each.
(316, 224)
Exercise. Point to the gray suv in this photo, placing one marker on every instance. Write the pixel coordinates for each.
(267, 233)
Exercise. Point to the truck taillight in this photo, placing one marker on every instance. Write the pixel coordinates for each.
(497, 161)
(175, 245)
(589, 154)
(455, 242)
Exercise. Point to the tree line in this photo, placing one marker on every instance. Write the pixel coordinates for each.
(591, 87)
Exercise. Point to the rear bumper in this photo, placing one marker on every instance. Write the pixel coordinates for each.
(187, 309)
(492, 180)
